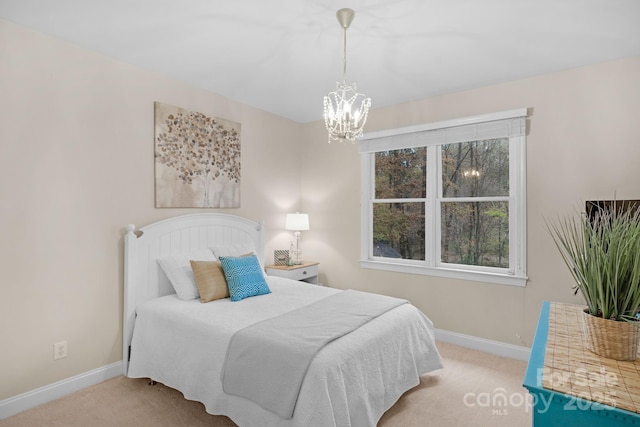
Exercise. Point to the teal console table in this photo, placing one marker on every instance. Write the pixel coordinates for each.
(569, 384)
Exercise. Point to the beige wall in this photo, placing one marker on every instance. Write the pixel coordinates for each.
(583, 143)
(76, 131)
(76, 166)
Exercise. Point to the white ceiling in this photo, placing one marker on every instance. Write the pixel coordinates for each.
(283, 56)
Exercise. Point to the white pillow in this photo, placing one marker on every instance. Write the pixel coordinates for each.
(236, 250)
(178, 270)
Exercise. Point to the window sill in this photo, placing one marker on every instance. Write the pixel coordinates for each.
(476, 276)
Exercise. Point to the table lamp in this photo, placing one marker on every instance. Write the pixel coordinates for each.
(297, 222)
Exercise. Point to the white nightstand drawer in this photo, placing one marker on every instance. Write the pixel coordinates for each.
(307, 272)
(304, 273)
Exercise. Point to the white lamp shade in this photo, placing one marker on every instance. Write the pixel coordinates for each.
(297, 222)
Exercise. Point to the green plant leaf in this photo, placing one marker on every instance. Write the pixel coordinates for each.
(603, 256)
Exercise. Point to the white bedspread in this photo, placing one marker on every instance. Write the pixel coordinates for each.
(351, 382)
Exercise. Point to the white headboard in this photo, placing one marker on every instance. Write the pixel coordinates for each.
(143, 278)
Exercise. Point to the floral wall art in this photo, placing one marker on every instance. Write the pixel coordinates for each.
(197, 160)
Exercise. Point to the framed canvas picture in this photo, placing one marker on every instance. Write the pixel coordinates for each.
(197, 159)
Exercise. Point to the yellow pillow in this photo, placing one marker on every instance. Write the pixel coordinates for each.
(210, 280)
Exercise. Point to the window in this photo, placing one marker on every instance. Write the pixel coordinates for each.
(447, 199)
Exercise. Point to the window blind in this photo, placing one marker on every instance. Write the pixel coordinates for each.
(497, 125)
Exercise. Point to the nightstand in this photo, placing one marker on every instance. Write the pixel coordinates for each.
(305, 272)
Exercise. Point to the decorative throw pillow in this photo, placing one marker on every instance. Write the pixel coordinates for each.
(237, 250)
(210, 280)
(244, 277)
(178, 270)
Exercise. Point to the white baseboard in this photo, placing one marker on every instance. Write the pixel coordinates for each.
(33, 398)
(481, 344)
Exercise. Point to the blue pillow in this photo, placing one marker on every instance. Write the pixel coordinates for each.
(244, 277)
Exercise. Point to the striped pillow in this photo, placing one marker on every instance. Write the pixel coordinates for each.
(210, 280)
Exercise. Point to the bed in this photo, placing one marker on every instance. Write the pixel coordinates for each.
(183, 344)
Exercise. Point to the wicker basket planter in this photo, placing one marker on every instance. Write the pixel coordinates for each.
(610, 338)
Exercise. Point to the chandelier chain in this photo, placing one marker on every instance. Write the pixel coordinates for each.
(344, 64)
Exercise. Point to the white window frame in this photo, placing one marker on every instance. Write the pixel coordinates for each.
(506, 124)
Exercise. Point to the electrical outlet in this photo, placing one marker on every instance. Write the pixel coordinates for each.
(59, 350)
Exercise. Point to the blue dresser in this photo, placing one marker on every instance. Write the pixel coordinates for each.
(575, 387)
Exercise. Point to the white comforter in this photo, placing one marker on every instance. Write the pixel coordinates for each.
(351, 382)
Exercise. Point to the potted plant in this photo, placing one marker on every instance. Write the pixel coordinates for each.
(602, 251)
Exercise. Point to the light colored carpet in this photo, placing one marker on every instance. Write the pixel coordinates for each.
(461, 394)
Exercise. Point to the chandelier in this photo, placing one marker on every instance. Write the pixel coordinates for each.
(345, 110)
